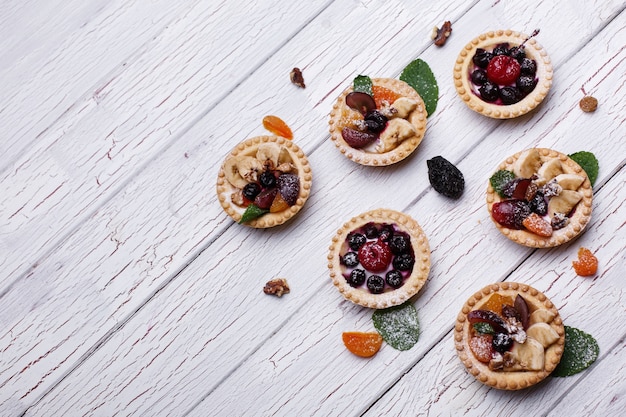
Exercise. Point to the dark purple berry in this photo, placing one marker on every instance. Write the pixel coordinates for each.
(289, 187)
(501, 49)
(376, 284)
(399, 243)
(356, 240)
(518, 53)
(403, 262)
(528, 66)
(510, 95)
(481, 58)
(251, 190)
(394, 278)
(489, 91)
(350, 259)
(371, 231)
(375, 121)
(501, 342)
(538, 204)
(267, 179)
(479, 76)
(445, 178)
(510, 213)
(356, 278)
(385, 233)
(526, 83)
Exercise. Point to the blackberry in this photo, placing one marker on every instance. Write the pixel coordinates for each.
(371, 232)
(501, 342)
(399, 243)
(356, 278)
(445, 178)
(501, 49)
(538, 204)
(518, 53)
(375, 121)
(356, 240)
(510, 95)
(489, 91)
(251, 190)
(267, 179)
(385, 233)
(350, 259)
(394, 278)
(376, 284)
(403, 262)
(526, 83)
(479, 76)
(528, 66)
(481, 58)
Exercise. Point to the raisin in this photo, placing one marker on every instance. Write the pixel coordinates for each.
(445, 178)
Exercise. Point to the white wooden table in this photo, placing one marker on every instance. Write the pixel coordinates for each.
(126, 290)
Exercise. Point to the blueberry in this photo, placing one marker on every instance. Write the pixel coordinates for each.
(403, 262)
(502, 49)
(399, 243)
(356, 278)
(385, 233)
(356, 240)
(376, 284)
(526, 83)
(479, 76)
(394, 278)
(350, 259)
(489, 91)
(518, 53)
(481, 58)
(510, 95)
(251, 190)
(375, 121)
(528, 66)
(267, 179)
(501, 342)
(371, 231)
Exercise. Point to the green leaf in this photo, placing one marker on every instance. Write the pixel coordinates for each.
(252, 212)
(363, 84)
(398, 325)
(419, 76)
(483, 328)
(499, 180)
(581, 350)
(588, 162)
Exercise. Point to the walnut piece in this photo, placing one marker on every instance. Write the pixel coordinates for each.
(296, 77)
(277, 287)
(440, 36)
(588, 104)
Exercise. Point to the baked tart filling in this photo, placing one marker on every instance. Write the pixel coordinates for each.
(540, 198)
(264, 181)
(503, 74)
(379, 259)
(509, 336)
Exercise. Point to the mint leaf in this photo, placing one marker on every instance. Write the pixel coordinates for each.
(499, 179)
(580, 351)
(483, 328)
(252, 212)
(588, 162)
(362, 84)
(419, 76)
(398, 325)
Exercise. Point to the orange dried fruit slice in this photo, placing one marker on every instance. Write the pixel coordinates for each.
(481, 347)
(381, 94)
(537, 225)
(496, 301)
(279, 204)
(363, 344)
(277, 126)
(587, 263)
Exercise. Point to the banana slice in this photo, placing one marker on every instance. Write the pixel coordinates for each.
(404, 106)
(397, 130)
(543, 333)
(527, 164)
(231, 173)
(528, 356)
(550, 169)
(541, 316)
(284, 157)
(268, 154)
(249, 168)
(564, 202)
(569, 181)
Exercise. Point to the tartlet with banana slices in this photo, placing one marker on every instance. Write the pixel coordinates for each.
(264, 181)
(540, 198)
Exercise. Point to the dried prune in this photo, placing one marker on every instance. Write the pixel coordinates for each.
(445, 178)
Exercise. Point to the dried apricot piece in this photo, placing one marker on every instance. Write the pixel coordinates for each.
(587, 263)
(496, 301)
(277, 126)
(279, 204)
(362, 344)
(481, 347)
(383, 94)
(537, 225)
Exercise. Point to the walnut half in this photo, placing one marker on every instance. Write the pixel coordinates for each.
(277, 287)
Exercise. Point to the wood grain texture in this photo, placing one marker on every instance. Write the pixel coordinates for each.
(145, 298)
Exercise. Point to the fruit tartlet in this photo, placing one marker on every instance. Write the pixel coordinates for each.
(380, 128)
(509, 336)
(503, 74)
(379, 258)
(540, 198)
(264, 181)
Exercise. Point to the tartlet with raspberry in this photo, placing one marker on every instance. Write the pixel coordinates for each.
(509, 336)
(379, 258)
(540, 198)
(503, 74)
(379, 127)
(264, 181)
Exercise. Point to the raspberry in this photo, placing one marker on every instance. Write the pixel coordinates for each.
(503, 70)
(375, 256)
